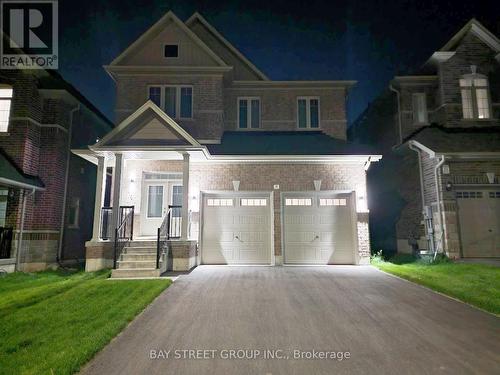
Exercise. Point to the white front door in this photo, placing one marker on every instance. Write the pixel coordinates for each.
(318, 228)
(156, 197)
(236, 229)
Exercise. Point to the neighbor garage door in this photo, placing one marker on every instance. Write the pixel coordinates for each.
(236, 229)
(318, 228)
(479, 216)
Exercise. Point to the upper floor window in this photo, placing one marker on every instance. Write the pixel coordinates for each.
(308, 112)
(248, 113)
(419, 103)
(171, 50)
(475, 96)
(5, 104)
(176, 101)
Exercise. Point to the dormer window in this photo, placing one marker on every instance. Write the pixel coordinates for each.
(5, 104)
(171, 50)
(475, 96)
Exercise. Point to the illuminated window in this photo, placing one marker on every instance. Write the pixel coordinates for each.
(5, 104)
(332, 202)
(298, 202)
(419, 108)
(475, 96)
(253, 202)
(219, 202)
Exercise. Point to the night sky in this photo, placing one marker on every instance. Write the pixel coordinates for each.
(369, 41)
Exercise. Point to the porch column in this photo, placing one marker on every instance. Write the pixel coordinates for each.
(117, 176)
(185, 196)
(99, 196)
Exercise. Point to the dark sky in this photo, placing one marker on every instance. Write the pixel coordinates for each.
(369, 41)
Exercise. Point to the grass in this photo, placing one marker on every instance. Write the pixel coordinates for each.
(54, 322)
(475, 284)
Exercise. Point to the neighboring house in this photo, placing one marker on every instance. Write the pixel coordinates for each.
(46, 193)
(238, 168)
(438, 186)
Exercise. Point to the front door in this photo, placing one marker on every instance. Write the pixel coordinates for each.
(157, 196)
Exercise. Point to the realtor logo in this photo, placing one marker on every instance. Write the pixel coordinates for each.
(30, 32)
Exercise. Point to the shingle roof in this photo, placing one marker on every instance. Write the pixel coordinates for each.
(10, 173)
(285, 143)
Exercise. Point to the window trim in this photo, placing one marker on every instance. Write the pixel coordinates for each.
(415, 110)
(177, 99)
(11, 100)
(249, 112)
(172, 44)
(472, 89)
(308, 112)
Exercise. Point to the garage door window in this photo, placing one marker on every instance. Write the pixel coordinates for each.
(219, 202)
(332, 202)
(298, 202)
(469, 194)
(494, 194)
(253, 202)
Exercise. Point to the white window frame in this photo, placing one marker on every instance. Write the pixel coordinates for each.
(473, 95)
(177, 99)
(299, 201)
(308, 112)
(178, 50)
(248, 99)
(7, 99)
(416, 96)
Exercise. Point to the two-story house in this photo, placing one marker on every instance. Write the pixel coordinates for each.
(218, 164)
(438, 189)
(46, 192)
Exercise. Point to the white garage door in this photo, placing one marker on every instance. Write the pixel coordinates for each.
(479, 215)
(318, 229)
(236, 229)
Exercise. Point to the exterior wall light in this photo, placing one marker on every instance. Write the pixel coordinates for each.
(236, 185)
(449, 185)
(491, 177)
(317, 185)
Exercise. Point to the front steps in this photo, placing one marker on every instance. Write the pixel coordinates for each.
(138, 260)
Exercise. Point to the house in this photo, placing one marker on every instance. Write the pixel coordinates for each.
(437, 188)
(46, 193)
(214, 163)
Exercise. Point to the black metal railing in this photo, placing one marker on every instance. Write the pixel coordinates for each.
(124, 232)
(170, 228)
(5, 242)
(106, 230)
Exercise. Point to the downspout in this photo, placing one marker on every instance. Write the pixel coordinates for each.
(436, 180)
(21, 229)
(399, 113)
(66, 178)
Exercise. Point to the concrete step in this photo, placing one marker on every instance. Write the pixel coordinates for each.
(135, 273)
(139, 250)
(136, 264)
(141, 244)
(131, 257)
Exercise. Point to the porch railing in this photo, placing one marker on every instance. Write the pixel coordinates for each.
(106, 230)
(5, 242)
(124, 233)
(170, 228)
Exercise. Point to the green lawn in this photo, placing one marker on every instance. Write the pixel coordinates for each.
(476, 284)
(54, 322)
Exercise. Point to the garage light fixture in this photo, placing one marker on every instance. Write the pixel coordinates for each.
(317, 185)
(236, 185)
(491, 177)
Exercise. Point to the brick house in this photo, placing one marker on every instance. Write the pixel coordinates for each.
(437, 188)
(214, 163)
(46, 192)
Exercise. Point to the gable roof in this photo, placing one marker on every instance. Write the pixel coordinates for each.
(157, 28)
(284, 143)
(131, 127)
(479, 31)
(198, 17)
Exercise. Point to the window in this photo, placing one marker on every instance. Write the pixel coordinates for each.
(248, 113)
(308, 113)
(4, 193)
(475, 96)
(74, 213)
(469, 194)
(253, 202)
(332, 202)
(419, 108)
(176, 101)
(171, 50)
(5, 103)
(298, 202)
(219, 202)
(155, 201)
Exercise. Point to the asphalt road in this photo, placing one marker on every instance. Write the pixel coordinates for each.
(387, 326)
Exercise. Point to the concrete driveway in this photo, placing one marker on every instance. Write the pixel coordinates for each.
(388, 326)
